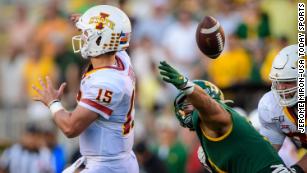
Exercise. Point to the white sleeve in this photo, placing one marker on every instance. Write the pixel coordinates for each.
(101, 98)
(268, 127)
(4, 159)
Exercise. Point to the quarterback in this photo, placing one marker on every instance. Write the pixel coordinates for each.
(278, 109)
(229, 143)
(104, 117)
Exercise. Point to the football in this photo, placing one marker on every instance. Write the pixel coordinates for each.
(210, 37)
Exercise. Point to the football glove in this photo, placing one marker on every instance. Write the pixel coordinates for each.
(172, 76)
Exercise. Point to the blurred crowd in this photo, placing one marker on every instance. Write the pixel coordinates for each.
(36, 41)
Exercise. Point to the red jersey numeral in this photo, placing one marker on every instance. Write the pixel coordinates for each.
(104, 96)
(129, 123)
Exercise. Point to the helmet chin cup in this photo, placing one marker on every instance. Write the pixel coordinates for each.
(285, 102)
(281, 95)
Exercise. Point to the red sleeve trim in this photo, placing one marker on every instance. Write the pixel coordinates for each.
(98, 106)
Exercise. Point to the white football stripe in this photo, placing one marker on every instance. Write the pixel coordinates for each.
(210, 30)
(220, 41)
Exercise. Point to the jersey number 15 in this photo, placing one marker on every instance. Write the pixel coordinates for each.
(104, 96)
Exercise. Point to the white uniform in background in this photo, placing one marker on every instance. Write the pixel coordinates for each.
(18, 159)
(279, 122)
(107, 142)
(277, 109)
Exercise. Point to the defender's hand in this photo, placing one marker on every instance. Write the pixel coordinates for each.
(48, 93)
(170, 75)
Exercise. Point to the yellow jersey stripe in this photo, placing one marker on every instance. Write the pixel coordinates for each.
(216, 167)
(92, 71)
(218, 138)
(289, 116)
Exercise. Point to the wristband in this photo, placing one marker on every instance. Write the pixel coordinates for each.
(297, 168)
(55, 106)
(50, 103)
(188, 88)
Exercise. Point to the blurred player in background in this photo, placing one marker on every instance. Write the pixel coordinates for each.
(104, 117)
(229, 142)
(28, 156)
(278, 109)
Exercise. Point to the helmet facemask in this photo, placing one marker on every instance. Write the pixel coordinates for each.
(184, 111)
(285, 97)
(88, 42)
(78, 42)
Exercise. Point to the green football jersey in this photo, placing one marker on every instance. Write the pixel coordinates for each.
(241, 150)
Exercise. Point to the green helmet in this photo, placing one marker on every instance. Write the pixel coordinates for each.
(184, 109)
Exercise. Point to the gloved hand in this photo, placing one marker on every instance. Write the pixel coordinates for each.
(172, 76)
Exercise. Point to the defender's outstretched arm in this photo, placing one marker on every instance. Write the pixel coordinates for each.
(210, 111)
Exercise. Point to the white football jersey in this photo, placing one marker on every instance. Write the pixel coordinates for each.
(278, 122)
(109, 91)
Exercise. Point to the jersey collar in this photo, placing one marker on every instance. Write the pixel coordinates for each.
(120, 67)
